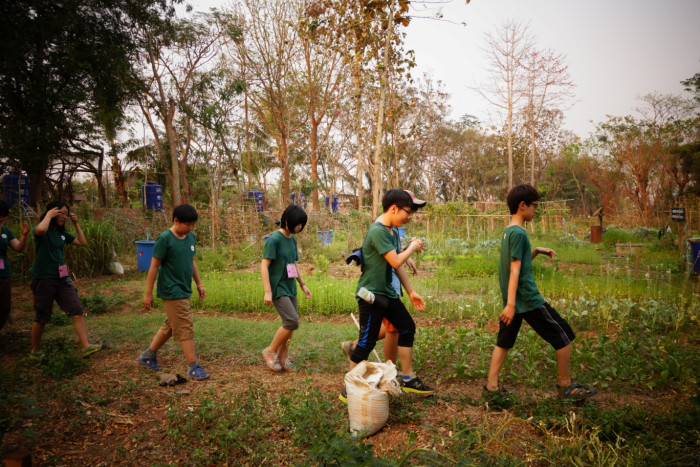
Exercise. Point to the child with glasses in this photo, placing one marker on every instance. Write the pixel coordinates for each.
(522, 299)
(51, 280)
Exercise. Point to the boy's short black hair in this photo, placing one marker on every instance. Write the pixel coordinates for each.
(54, 224)
(519, 193)
(4, 209)
(293, 216)
(400, 198)
(185, 213)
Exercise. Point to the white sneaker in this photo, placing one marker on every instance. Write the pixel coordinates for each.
(271, 360)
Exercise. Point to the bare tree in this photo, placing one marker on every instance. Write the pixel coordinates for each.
(505, 50)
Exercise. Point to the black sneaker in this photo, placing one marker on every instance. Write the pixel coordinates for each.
(343, 396)
(416, 386)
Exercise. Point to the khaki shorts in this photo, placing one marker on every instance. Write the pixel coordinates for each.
(178, 321)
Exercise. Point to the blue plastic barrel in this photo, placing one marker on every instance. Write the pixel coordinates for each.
(325, 237)
(15, 187)
(144, 253)
(259, 199)
(327, 201)
(694, 255)
(334, 204)
(153, 196)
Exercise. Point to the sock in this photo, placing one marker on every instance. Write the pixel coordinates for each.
(148, 353)
(191, 365)
(408, 377)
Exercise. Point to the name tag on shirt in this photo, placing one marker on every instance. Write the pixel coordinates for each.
(292, 270)
(62, 270)
(2, 264)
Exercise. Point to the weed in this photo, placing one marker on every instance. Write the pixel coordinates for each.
(98, 304)
(62, 361)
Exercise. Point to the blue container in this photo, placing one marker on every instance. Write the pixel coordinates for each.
(258, 198)
(153, 196)
(327, 201)
(694, 244)
(15, 187)
(402, 232)
(334, 204)
(325, 237)
(144, 253)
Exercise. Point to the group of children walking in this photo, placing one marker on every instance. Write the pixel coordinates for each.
(381, 310)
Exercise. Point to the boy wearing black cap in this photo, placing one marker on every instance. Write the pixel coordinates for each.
(381, 256)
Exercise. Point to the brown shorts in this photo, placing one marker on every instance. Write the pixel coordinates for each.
(47, 290)
(178, 321)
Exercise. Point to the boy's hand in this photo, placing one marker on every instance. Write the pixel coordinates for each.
(73, 218)
(307, 292)
(546, 251)
(268, 298)
(202, 293)
(148, 301)
(411, 266)
(417, 245)
(24, 230)
(507, 314)
(416, 301)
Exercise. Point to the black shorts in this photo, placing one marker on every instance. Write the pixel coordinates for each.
(545, 321)
(62, 291)
(371, 316)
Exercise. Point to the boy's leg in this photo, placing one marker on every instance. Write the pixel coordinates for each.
(179, 318)
(497, 359)
(188, 349)
(507, 334)
(5, 299)
(43, 292)
(371, 316)
(68, 300)
(563, 356)
(391, 346)
(286, 306)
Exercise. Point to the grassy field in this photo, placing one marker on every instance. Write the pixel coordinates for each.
(636, 320)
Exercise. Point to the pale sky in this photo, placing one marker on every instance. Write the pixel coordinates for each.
(617, 50)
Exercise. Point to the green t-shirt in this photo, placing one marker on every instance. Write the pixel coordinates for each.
(49, 253)
(175, 273)
(282, 251)
(5, 236)
(376, 271)
(515, 244)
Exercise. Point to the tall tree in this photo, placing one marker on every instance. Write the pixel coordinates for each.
(506, 50)
(55, 73)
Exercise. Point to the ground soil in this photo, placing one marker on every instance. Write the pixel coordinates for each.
(102, 433)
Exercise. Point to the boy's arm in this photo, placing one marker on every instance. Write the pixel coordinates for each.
(198, 280)
(416, 300)
(80, 239)
(18, 245)
(265, 275)
(302, 284)
(397, 260)
(544, 251)
(509, 310)
(150, 280)
(43, 226)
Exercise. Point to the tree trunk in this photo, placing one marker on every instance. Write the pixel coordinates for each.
(377, 184)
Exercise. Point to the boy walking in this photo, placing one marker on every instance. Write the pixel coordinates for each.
(522, 300)
(381, 252)
(280, 274)
(174, 264)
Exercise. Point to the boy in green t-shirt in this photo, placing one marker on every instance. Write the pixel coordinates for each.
(7, 238)
(174, 264)
(381, 255)
(280, 274)
(51, 280)
(522, 300)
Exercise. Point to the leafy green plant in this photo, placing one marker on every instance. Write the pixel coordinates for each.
(62, 361)
(322, 263)
(98, 304)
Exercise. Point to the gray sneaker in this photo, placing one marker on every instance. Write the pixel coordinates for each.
(271, 360)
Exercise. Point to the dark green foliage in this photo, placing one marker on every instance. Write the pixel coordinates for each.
(62, 361)
(97, 303)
